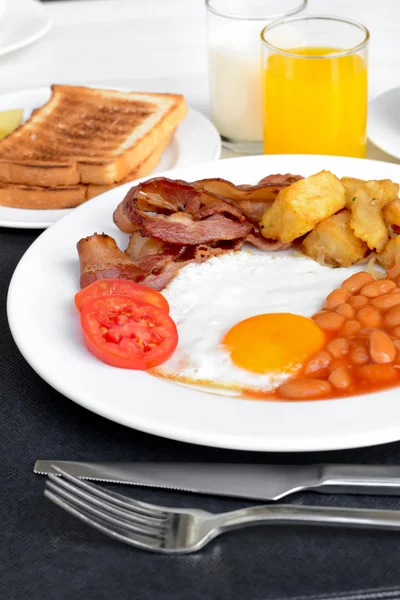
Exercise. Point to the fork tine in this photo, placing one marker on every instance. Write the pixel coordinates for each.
(130, 515)
(101, 512)
(151, 510)
(137, 541)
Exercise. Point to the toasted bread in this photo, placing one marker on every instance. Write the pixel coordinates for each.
(83, 135)
(70, 196)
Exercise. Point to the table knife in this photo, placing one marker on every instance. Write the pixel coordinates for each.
(251, 481)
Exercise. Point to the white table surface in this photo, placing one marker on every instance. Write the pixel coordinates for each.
(136, 42)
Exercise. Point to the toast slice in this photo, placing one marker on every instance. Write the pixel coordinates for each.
(84, 135)
(55, 198)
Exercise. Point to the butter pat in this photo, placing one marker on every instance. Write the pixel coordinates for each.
(10, 120)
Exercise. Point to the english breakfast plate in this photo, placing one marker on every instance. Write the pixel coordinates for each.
(195, 140)
(45, 326)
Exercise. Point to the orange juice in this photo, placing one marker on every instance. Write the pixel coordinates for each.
(315, 105)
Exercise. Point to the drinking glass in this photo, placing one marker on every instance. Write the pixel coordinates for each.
(234, 28)
(315, 86)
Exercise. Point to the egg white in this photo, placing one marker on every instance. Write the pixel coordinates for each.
(206, 300)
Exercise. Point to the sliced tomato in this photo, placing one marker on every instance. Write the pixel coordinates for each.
(120, 287)
(125, 334)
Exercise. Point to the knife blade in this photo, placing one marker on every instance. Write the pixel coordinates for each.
(251, 481)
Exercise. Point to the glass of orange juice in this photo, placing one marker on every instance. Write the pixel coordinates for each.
(314, 71)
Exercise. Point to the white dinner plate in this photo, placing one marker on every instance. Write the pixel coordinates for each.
(46, 328)
(195, 140)
(23, 22)
(384, 122)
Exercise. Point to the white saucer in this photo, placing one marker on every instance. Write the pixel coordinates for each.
(23, 22)
(195, 141)
(384, 122)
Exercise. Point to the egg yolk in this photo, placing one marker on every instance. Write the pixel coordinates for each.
(273, 342)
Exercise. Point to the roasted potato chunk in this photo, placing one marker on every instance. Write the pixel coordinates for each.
(391, 213)
(301, 206)
(351, 185)
(383, 190)
(367, 220)
(334, 241)
(391, 254)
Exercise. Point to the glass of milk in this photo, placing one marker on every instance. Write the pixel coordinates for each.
(234, 65)
(2, 8)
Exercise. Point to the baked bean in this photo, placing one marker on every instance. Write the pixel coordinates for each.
(346, 310)
(358, 302)
(396, 344)
(318, 365)
(386, 301)
(330, 321)
(340, 378)
(305, 389)
(366, 332)
(394, 272)
(381, 347)
(350, 328)
(377, 373)
(392, 317)
(377, 288)
(336, 297)
(369, 317)
(396, 332)
(354, 283)
(358, 354)
(338, 347)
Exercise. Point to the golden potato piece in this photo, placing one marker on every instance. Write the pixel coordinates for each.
(351, 185)
(367, 220)
(334, 241)
(391, 254)
(391, 213)
(383, 190)
(301, 206)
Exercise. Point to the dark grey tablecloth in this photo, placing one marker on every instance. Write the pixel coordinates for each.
(46, 554)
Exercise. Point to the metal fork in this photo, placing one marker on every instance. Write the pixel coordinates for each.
(162, 529)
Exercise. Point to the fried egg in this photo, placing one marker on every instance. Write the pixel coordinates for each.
(244, 319)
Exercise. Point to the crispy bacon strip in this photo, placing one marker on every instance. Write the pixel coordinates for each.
(254, 211)
(185, 231)
(160, 195)
(218, 207)
(100, 257)
(256, 239)
(266, 190)
(277, 179)
(226, 189)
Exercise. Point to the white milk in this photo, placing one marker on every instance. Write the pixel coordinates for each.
(234, 55)
(234, 64)
(2, 8)
(235, 93)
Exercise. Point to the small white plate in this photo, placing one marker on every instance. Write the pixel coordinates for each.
(45, 326)
(384, 122)
(195, 141)
(23, 22)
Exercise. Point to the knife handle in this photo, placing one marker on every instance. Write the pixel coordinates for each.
(359, 479)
